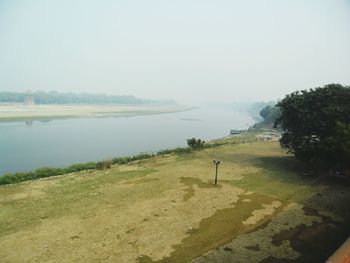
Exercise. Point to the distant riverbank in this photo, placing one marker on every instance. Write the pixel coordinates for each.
(10, 113)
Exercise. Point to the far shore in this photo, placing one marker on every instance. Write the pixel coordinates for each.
(13, 113)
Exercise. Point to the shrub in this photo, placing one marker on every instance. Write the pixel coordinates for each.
(80, 167)
(178, 150)
(121, 160)
(102, 165)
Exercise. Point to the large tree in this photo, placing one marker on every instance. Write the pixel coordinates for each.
(316, 126)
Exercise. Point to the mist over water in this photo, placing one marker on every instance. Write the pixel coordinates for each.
(30, 145)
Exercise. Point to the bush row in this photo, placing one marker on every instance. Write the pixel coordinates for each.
(45, 172)
(178, 150)
(101, 165)
(11, 178)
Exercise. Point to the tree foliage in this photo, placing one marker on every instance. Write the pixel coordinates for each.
(270, 114)
(195, 145)
(316, 126)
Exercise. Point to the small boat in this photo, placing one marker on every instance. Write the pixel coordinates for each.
(233, 132)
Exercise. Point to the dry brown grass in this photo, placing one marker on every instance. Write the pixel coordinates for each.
(167, 209)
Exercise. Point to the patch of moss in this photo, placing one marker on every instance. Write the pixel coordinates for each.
(144, 259)
(272, 259)
(217, 230)
(315, 243)
(255, 248)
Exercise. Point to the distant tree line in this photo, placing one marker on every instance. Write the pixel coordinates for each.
(53, 97)
(255, 108)
(269, 114)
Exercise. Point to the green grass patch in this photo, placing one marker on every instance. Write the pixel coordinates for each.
(280, 189)
(68, 197)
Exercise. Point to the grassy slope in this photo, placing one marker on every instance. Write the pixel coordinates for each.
(166, 209)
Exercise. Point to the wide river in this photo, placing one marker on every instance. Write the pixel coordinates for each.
(26, 146)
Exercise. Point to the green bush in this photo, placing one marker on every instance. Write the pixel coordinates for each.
(142, 156)
(121, 160)
(25, 176)
(102, 165)
(80, 167)
(178, 150)
(47, 172)
(125, 160)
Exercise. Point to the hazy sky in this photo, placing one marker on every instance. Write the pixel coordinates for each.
(187, 50)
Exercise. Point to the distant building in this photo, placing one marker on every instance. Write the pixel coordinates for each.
(28, 99)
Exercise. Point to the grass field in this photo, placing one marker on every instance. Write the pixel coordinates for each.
(48, 112)
(166, 209)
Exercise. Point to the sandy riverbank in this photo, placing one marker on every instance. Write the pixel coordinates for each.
(38, 112)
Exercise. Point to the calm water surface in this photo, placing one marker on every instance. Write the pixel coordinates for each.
(27, 146)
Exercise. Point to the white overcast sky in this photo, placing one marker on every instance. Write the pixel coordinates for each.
(187, 50)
